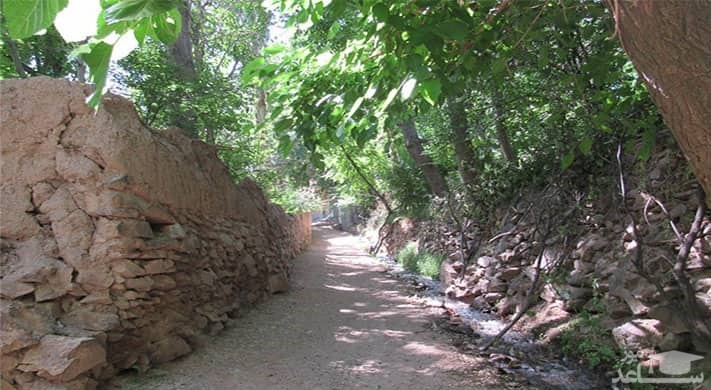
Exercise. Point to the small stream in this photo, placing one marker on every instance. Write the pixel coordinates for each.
(540, 365)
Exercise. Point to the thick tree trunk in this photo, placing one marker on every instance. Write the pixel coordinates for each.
(433, 177)
(460, 138)
(501, 132)
(181, 55)
(668, 43)
(181, 52)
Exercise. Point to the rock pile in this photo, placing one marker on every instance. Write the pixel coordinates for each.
(120, 245)
(592, 259)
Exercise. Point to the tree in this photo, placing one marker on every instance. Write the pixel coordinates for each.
(668, 42)
(432, 173)
(501, 133)
(195, 84)
(459, 126)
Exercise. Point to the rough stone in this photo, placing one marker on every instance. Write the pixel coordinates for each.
(85, 317)
(169, 349)
(278, 283)
(639, 334)
(61, 358)
(15, 202)
(127, 268)
(163, 282)
(507, 274)
(159, 267)
(485, 261)
(669, 316)
(140, 284)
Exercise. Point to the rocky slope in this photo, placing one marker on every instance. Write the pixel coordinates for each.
(120, 245)
(598, 255)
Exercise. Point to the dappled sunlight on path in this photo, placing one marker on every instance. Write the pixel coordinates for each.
(344, 325)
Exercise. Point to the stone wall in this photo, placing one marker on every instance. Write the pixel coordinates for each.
(120, 245)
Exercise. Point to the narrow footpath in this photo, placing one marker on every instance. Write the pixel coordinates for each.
(345, 324)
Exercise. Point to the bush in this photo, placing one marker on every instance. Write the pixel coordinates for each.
(407, 257)
(424, 263)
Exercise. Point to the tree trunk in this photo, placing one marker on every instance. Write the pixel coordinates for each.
(181, 52)
(261, 105)
(210, 137)
(12, 48)
(501, 132)
(181, 55)
(460, 138)
(668, 43)
(433, 177)
(81, 70)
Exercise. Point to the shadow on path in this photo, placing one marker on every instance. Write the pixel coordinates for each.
(344, 325)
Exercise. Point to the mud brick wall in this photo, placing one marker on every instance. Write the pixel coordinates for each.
(120, 245)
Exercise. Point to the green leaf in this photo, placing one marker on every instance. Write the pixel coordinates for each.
(337, 7)
(317, 161)
(23, 18)
(649, 139)
(251, 70)
(434, 44)
(97, 59)
(454, 29)
(285, 145)
(586, 146)
(333, 30)
(167, 26)
(283, 125)
(567, 160)
(274, 49)
(380, 11)
(431, 89)
(137, 9)
(103, 28)
(141, 30)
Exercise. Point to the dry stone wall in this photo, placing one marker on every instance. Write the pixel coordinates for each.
(120, 245)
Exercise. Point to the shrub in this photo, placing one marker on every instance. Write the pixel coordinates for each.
(428, 264)
(407, 257)
(424, 263)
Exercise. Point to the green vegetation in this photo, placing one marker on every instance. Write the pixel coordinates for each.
(421, 262)
(368, 100)
(441, 110)
(407, 257)
(587, 339)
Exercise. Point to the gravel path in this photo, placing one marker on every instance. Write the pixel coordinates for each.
(344, 325)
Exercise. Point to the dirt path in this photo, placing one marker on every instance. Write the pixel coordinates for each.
(343, 325)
